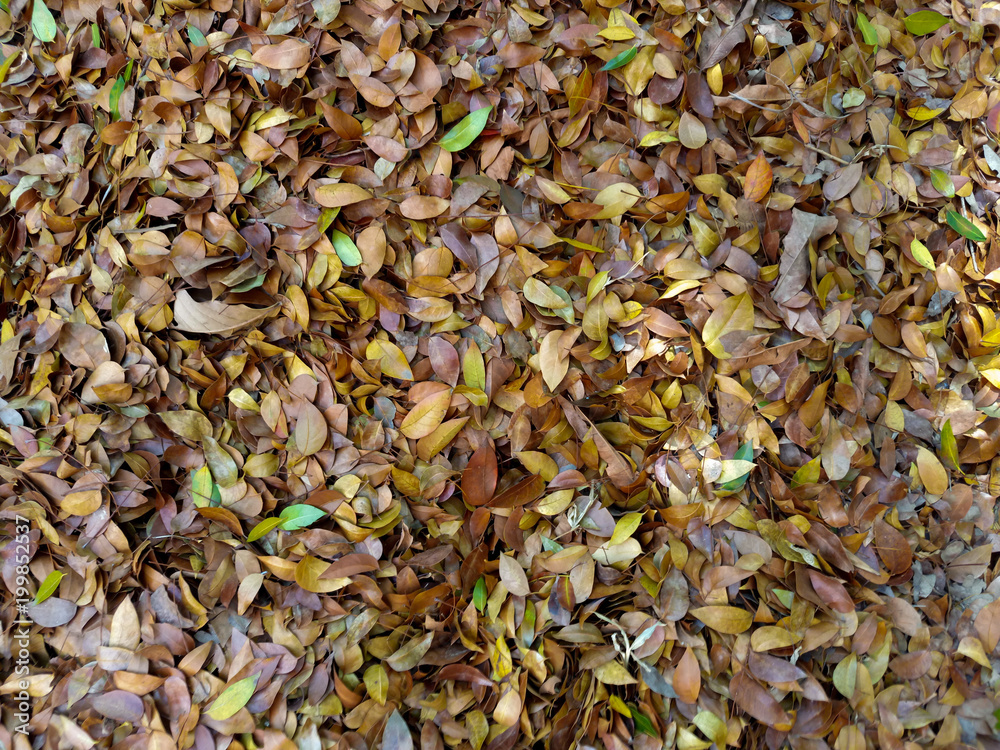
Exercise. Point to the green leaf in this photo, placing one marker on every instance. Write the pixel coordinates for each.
(479, 594)
(43, 25)
(808, 473)
(49, 586)
(621, 59)
(296, 517)
(845, 676)
(868, 32)
(643, 725)
(468, 129)
(377, 683)
(264, 528)
(249, 284)
(5, 65)
(743, 453)
(924, 22)
(197, 38)
(922, 255)
(965, 227)
(949, 446)
(326, 217)
(347, 251)
(116, 94)
(203, 489)
(854, 97)
(941, 181)
(95, 35)
(233, 698)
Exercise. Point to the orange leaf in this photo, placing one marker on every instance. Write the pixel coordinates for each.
(758, 180)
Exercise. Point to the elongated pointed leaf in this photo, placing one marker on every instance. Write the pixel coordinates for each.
(264, 528)
(296, 517)
(924, 22)
(621, 60)
(468, 129)
(43, 25)
(49, 586)
(965, 227)
(233, 698)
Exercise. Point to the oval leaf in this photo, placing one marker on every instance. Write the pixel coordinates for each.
(264, 528)
(965, 227)
(468, 129)
(233, 698)
(924, 22)
(49, 586)
(296, 517)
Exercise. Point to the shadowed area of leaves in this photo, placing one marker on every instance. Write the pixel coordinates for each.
(500, 375)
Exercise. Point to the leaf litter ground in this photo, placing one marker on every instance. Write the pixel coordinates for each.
(500, 375)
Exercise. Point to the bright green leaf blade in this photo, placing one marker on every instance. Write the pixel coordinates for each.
(116, 94)
(43, 25)
(264, 528)
(49, 586)
(965, 227)
(95, 33)
(296, 517)
(941, 181)
(621, 60)
(347, 251)
(924, 22)
(479, 594)
(643, 725)
(233, 698)
(468, 129)
(868, 32)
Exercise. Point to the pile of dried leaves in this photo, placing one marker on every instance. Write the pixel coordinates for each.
(495, 375)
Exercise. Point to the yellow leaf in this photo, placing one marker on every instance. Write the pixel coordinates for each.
(393, 360)
(539, 463)
(377, 683)
(341, 194)
(437, 441)
(731, 620)
(932, 474)
(734, 314)
(474, 368)
(553, 359)
(425, 417)
(625, 527)
(539, 294)
(81, 503)
(617, 33)
(613, 673)
(233, 698)
(922, 255)
(923, 113)
(657, 138)
(616, 199)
